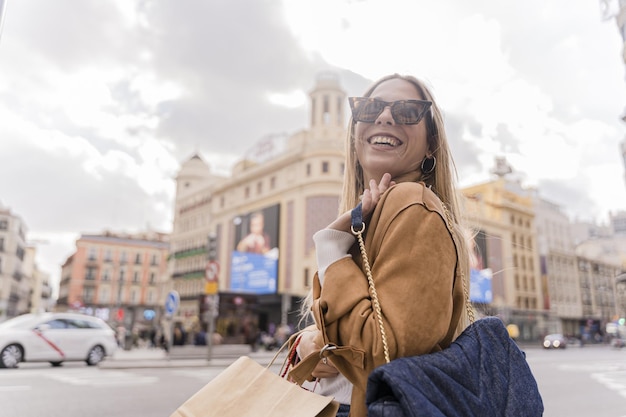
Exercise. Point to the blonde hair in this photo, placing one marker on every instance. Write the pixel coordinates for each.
(442, 180)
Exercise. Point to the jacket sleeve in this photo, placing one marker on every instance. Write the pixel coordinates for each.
(413, 258)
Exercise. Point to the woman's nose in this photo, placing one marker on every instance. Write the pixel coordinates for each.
(385, 117)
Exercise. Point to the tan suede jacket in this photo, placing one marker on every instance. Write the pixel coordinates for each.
(413, 259)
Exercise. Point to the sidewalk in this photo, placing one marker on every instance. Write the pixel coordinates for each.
(186, 356)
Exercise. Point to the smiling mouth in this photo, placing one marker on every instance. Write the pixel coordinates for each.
(385, 141)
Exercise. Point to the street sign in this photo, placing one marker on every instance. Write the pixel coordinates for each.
(172, 302)
(211, 274)
(212, 271)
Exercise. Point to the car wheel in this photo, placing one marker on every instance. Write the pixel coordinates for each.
(11, 356)
(95, 355)
(56, 363)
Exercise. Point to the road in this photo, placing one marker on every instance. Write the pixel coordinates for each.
(576, 382)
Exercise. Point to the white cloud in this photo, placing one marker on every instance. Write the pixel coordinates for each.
(110, 113)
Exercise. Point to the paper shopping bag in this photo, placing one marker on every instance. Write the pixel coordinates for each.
(247, 389)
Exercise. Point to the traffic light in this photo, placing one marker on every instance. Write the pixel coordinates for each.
(621, 321)
(212, 247)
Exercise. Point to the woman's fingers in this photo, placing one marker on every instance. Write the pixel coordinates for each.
(371, 195)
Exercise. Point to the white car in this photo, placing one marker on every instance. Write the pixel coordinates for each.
(55, 338)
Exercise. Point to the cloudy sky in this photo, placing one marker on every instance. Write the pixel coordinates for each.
(101, 101)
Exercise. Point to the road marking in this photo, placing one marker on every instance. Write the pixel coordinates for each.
(204, 375)
(110, 378)
(615, 381)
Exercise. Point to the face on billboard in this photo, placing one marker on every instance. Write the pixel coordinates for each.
(480, 273)
(254, 260)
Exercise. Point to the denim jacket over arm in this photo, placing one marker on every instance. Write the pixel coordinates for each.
(483, 374)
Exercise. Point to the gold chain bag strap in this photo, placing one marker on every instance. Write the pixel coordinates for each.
(358, 227)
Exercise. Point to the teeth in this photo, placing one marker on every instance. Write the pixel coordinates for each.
(384, 140)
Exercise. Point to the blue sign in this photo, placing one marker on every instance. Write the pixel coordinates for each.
(149, 314)
(253, 273)
(172, 302)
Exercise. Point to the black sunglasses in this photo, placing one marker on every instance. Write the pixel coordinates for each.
(405, 112)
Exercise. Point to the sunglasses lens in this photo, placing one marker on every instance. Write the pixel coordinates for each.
(406, 113)
(367, 110)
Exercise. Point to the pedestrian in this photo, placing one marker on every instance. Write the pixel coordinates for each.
(399, 167)
(121, 336)
(180, 335)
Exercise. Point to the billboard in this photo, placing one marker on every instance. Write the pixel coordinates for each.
(480, 273)
(254, 259)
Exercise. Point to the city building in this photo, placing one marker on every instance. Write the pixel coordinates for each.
(14, 285)
(260, 220)
(117, 277)
(501, 215)
(598, 285)
(618, 222)
(559, 268)
(38, 283)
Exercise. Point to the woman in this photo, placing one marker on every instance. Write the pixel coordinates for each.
(400, 168)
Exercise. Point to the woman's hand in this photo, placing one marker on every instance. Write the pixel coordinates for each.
(371, 196)
(369, 199)
(308, 345)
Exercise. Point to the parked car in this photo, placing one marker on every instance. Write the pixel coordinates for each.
(555, 341)
(55, 338)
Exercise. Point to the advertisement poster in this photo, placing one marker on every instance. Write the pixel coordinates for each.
(480, 273)
(254, 260)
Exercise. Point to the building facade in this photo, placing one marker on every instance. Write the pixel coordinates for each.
(14, 285)
(117, 277)
(39, 288)
(501, 215)
(290, 184)
(559, 268)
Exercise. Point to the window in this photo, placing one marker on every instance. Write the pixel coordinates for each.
(308, 170)
(123, 257)
(325, 167)
(4, 224)
(136, 276)
(92, 254)
(154, 260)
(1, 244)
(247, 192)
(88, 295)
(106, 275)
(326, 110)
(138, 258)
(122, 273)
(152, 277)
(104, 295)
(57, 324)
(107, 255)
(90, 274)
(259, 187)
(272, 183)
